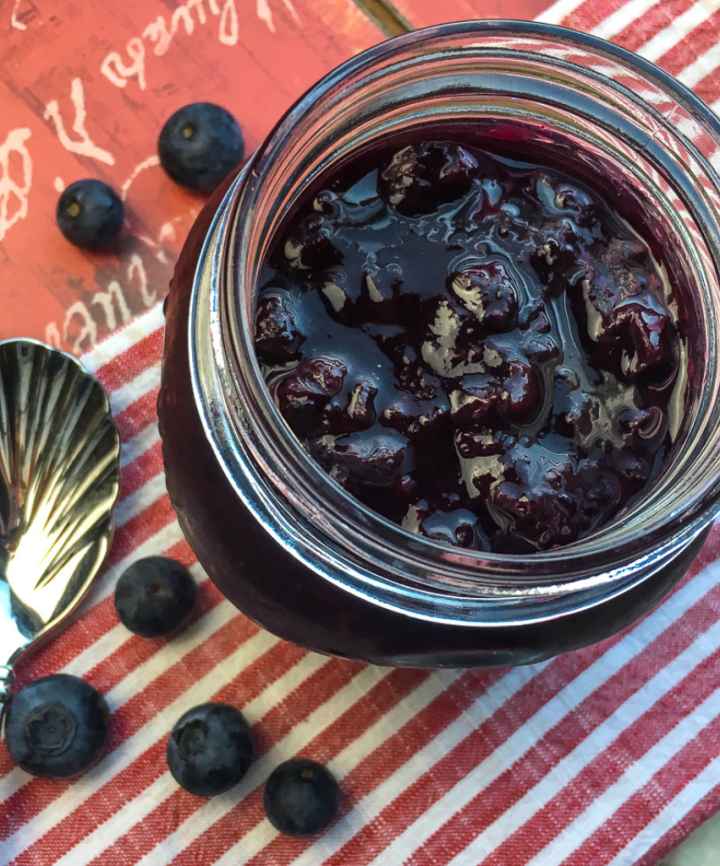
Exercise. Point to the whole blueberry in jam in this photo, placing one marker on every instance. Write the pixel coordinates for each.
(57, 727)
(481, 349)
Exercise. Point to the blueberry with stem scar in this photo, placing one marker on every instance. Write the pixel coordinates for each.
(199, 145)
(210, 749)
(155, 596)
(90, 214)
(301, 797)
(57, 727)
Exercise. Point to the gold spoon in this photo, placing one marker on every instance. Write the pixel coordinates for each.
(59, 480)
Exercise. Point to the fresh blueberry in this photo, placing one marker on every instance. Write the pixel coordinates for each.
(90, 214)
(155, 596)
(301, 797)
(200, 145)
(57, 727)
(210, 749)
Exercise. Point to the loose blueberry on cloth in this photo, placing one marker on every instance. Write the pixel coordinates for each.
(57, 727)
(155, 596)
(210, 749)
(301, 797)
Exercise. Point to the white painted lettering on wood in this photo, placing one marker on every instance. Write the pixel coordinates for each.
(86, 336)
(84, 146)
(14, 185)
(161, 32)
(108, 299)
(137, 267)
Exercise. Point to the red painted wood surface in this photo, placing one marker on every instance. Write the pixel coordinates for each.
(84, 89)
(85, 86)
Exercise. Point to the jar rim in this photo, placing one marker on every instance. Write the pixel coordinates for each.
(551, 575)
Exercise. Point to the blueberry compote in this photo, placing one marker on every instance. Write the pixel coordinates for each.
(480, 349)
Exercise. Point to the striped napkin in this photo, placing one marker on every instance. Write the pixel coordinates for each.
(607, 755)
(610, 755)
(681, 36)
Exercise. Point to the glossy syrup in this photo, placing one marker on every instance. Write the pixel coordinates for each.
(478, 348)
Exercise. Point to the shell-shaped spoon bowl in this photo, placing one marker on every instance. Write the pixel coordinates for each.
(59, 480)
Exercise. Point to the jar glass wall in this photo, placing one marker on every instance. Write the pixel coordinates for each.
(544, 93)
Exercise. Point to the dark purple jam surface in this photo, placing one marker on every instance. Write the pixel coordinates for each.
(479, 349)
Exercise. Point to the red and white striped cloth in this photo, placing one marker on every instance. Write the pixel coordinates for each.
(610, 755)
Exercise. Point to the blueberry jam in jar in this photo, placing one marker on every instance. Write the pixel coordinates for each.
(479, 349)
(440, 380)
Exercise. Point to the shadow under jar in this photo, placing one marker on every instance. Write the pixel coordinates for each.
(288, 545)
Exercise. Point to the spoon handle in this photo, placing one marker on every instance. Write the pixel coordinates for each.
(6, 680)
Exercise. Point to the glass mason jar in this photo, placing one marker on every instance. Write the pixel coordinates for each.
(289, 546)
